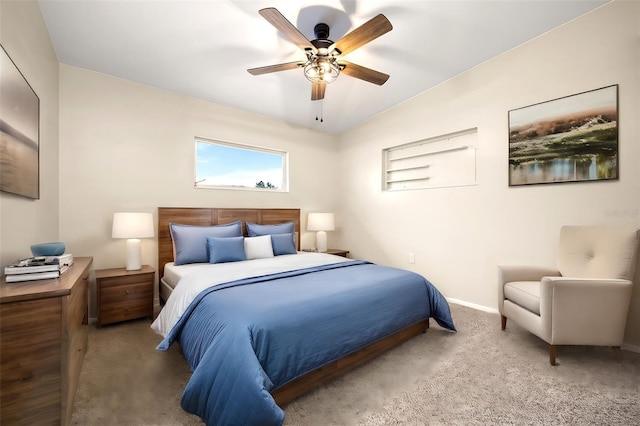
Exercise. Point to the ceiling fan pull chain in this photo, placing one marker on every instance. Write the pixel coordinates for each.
(321, 113)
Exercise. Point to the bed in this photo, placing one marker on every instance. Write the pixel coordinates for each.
(258, 333)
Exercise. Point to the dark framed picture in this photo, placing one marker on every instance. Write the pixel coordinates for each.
(19, 132)
(569, 139)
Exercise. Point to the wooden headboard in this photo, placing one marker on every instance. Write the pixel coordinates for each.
(214, 216)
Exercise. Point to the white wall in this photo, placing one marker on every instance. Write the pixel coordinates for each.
(460, 234)
(130, 147)
(24, 221)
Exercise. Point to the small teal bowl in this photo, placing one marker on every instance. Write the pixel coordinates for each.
(48, 249)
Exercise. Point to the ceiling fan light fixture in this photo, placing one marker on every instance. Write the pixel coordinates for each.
(321, 69)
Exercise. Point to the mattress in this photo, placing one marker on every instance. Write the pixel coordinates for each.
(173, 273)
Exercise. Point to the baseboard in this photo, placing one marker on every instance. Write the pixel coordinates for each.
(472, 305)
(630, 348)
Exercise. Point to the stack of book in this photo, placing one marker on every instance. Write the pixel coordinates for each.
(38, 268)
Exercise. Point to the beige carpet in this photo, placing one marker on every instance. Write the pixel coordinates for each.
(481, 375)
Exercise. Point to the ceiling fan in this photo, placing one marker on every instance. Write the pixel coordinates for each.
(323, 64)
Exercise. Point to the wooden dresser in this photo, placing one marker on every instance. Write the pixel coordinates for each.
(43, 340)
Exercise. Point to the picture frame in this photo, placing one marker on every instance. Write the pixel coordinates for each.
(568, 139)
(19, 132)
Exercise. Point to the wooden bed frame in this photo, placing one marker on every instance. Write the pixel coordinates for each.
(218, 216)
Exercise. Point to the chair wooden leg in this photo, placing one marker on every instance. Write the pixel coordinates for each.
(503, 321)
(552, 354)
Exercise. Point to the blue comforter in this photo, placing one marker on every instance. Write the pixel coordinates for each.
(246, 338)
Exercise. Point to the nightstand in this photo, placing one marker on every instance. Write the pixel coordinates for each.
(338, 252)
(123, 295)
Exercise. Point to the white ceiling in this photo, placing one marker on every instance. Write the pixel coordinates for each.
(203, 48)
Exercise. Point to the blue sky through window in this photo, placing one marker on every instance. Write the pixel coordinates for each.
(222, 165)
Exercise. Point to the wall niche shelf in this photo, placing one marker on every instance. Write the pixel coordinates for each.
(447, 160)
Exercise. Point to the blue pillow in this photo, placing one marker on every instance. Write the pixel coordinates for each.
(255, 230)
(230, 249)
(190, 242)
(283, 244)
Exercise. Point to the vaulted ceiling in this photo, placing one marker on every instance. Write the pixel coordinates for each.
(204, 48)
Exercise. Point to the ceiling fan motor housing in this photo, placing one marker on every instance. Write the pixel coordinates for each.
(321, 31)
(322, 41)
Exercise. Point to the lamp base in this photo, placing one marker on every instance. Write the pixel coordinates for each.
(321, 241)
(134, 255)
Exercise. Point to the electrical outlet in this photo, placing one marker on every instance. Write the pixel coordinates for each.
(412, 258)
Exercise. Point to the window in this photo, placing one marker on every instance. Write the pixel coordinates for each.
(447, 160)
(233, 166)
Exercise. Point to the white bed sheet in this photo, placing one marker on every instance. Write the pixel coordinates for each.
(174, 273)
(194, 278)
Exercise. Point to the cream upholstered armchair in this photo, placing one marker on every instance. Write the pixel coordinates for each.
(585, 300)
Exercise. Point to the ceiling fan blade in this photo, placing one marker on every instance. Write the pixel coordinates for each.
(274, 68)
(317, 91)
(370, 30)
(276, 19)
(363, 73)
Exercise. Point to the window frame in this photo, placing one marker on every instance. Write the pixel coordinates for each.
(284, 165)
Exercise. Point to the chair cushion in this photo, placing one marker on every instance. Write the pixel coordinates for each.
(525, 294)
(597, 252)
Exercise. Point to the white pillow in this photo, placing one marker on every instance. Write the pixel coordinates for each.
(258, 247)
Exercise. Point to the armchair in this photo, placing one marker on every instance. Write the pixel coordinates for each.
(585, 300)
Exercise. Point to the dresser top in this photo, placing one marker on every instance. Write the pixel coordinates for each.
(40, 289)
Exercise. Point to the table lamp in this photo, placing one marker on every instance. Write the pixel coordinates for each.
(320, 222)
(133, 226)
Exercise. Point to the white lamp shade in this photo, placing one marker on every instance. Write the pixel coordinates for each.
(320, 222)
(132, 225)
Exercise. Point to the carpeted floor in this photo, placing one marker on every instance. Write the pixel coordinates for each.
(480, 375)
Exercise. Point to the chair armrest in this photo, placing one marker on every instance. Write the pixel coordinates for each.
(585, 310)
(510, 273)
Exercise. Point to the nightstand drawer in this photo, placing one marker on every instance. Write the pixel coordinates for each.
(123, 311)
(126, 293)
(113, 282)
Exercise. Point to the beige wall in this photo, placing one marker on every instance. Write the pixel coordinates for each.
(24, 221)
(460, 234)
(129, 147)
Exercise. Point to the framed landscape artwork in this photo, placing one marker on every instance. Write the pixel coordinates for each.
(19, 132)
(570, 139)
